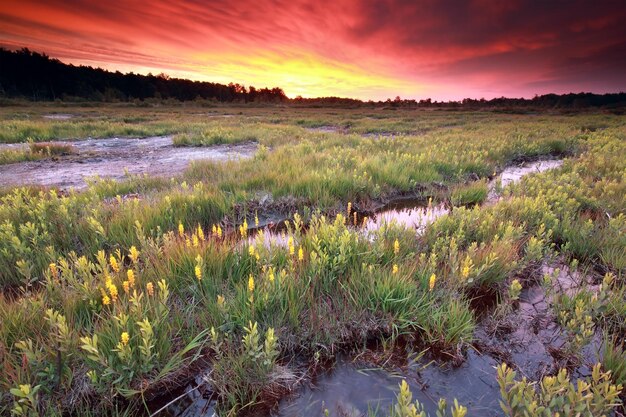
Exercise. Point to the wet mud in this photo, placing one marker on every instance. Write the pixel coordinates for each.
(116, 158)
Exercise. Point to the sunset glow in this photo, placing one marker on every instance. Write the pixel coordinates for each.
(368, 50)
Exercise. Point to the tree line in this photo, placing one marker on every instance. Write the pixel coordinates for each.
(35, 76)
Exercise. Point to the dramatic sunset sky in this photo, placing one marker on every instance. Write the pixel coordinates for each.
(442, 49)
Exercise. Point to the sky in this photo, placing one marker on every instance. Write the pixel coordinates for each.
(442, 49)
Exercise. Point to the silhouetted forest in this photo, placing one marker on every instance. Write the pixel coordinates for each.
(34, 76)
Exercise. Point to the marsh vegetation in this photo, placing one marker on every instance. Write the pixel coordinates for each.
(247, 279)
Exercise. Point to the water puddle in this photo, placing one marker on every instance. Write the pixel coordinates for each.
(515, 173)
(409, 213)
(114, 158)
(352, 389)
(326, 129)
(58, 116)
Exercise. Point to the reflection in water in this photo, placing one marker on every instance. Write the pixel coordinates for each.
(351, 390)
(408, 214)
(515, 173)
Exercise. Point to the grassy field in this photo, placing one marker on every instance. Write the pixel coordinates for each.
(114, 294)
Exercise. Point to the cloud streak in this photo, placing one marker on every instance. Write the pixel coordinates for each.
(443, 49)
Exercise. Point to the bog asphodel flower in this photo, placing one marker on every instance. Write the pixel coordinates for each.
(150, 289)
(251, 250)
(271, 275)
(200, 233)
(126, 287)
(107, 280)
(124, 338)
(394, 269)
(431, 282)
(113, 292)
(467, 267)
(54, 271)
(396, 247)
(292, 249)
(106, 300)
(219, 231)
(181, 229)
(243, 229)
(300, 254)
(114, 265)
(134, 254)
(130, 274)
(196, 241)
(198, 272)
(251, 284)
(220, 300)
(256, 220)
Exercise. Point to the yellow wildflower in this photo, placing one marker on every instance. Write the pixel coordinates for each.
(394, 269)
(54, 271)
(219, 231)
(271, 275)
(106, 300)
(214, 229)
(396, 247)
(256, 220)
(130, 274)
(467, 266)
(251, 283)
(196, 241)
(150, 289)
(114, 265)
(349, 207)
(126, 286)
(220, 300)
(188, 242)
(134, 254)
(243, 229)
(200, 233)
(113, 292)
(300, 254)
(124, 338)
(431, 282)
(181, 229)
(251, 250)
(198, 272)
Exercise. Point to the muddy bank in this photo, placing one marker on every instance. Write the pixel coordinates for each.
(114, 158)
